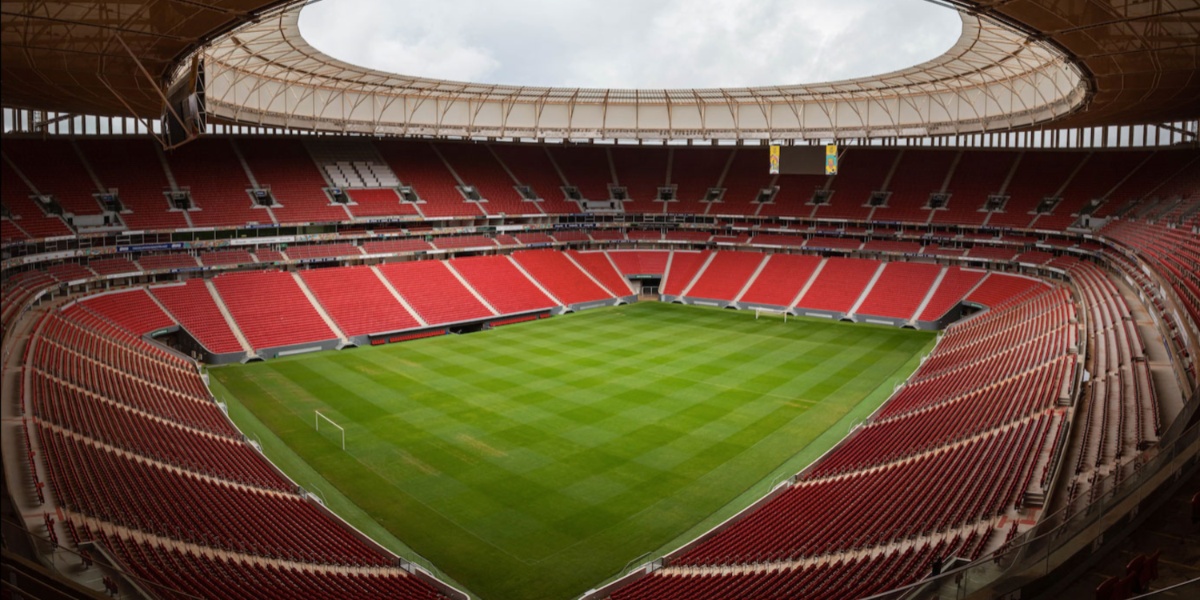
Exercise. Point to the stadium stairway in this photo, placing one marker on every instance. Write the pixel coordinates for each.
(588, 274)
(753, 277)
(392, 290)
(698, 274)
(929, 296)
(867, 290)
(470, 288)
(233, 326)
(812, 279)
(535, 281)
(345, 341)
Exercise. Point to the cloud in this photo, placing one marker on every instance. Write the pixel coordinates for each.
(632, 43)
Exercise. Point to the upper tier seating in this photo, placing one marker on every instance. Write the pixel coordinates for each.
(1101, 173)
(693, 172)
(859, 173)
(532, 167)
(55, 168)
(356, 299)
(978, 175)
(743, 181)
(417, 165)
(1146, 183)
(284, 166)
(132, 167)
(11, 232)
(217, 180)
(477, 167)
(919, 173)
(1038, 176)
(1114, 179)
(25, 211)
(585, 167)
(270, 309)
(641, 171)
(383, 202)
(795, 196)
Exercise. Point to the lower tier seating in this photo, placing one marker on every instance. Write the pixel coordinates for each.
(681, 269)
(193, 306)
(782, 279)
(839, 284)
(270, 309)
(560, 276)
(502, 284)
(434, 292)
(357, 300)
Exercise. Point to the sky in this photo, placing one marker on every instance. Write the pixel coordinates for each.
(632, 43)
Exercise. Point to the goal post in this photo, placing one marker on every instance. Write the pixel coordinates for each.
(320, 417)
(770, 312)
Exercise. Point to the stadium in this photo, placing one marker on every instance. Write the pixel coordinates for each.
(276, 325)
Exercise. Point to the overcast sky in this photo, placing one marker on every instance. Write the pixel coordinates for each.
(632, 43)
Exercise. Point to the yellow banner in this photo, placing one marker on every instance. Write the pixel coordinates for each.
(831, 159)
(774, 160)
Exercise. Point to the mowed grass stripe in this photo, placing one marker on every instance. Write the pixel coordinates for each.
(534, 461)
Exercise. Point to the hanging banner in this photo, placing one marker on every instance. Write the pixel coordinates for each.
(831, 159)
(774, 160)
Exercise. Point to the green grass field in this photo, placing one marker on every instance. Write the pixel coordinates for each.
(536, 460)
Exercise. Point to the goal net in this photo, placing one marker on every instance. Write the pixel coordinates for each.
(770, 313)
(341, 431)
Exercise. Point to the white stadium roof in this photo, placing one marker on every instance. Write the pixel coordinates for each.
(993, 78)
(1018, 65)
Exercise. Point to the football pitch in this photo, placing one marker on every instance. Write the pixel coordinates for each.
(536, 460)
